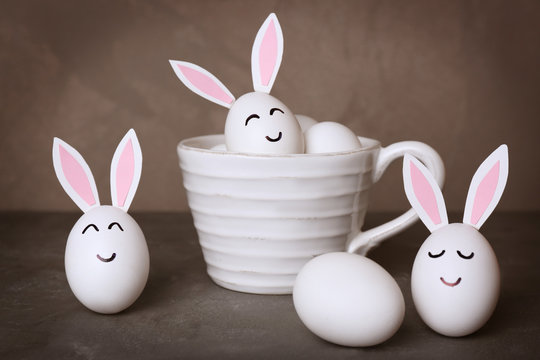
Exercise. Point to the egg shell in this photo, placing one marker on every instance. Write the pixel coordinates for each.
(107, 286)
(328, 137)
(270, 132)
(305, 122)
(348, 299)
(455, 296)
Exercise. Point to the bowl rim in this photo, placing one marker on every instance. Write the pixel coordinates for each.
(188, 145)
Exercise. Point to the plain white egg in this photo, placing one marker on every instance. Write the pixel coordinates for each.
(348, 299)
(261, 124)
(455, 280)
(107, 265)
(305, 122)
(328, 137)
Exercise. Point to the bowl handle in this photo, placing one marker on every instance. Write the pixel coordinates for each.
(365, 240)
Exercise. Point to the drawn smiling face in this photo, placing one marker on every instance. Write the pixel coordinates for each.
(436, 255)
(260, 123)
(106, 259)
(455, 279)
(94, 228)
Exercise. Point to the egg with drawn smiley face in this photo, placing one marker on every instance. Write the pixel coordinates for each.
(256, 122)
(455, 280)
(106, 260)
(260, 123)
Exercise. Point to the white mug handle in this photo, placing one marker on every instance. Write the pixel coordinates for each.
(365, 240)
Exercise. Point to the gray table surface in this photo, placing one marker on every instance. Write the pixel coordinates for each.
(183, 314)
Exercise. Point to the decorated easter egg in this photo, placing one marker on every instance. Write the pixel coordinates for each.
(257, 122)
(455, 280)
(327, 137)
(106, 260)
(260, 123)
(348, 299)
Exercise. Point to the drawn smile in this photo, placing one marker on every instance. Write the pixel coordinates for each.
(449, 283)
(274, 139)
(113, 256)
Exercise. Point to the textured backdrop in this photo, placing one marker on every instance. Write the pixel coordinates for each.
(462, 76)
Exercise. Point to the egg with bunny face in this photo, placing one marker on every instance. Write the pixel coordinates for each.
(260, 123)
(257, 122)
(455, 277)
(106, 260)
(455, 280)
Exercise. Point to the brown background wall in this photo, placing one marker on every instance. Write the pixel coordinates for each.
(462, 76)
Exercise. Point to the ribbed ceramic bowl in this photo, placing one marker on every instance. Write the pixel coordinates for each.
(260, 218)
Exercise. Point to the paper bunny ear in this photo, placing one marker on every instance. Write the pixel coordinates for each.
(126, 170)
(202, 83)
(74, 175)
(266, 54)
(486, 187)
(424, 194)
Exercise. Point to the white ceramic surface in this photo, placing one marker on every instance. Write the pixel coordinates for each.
(260, 218)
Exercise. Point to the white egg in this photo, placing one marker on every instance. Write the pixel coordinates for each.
(106, 260)
(455, 280)
(259, 123)
(348, 299)
(305, 122)
(327, 137)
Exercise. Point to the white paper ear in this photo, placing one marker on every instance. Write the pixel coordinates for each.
(486, 187)
(126, 168)
(74, 175)
(266, 54)
(202, 83)
(424, 194)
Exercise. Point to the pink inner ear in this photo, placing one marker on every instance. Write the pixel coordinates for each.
(484, 193)
(205, 84)
(425, 195)
(76, 176)
(124, 173)
(268, 53)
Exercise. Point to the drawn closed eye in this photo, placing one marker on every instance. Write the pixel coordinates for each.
(252, 116)
(467, 257)
(90, 226)
(274, 110)
(436, 255)
(115, 223)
